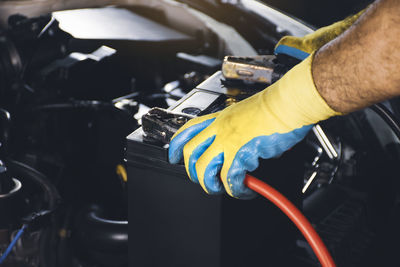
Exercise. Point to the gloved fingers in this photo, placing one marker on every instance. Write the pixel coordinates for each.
(235, 167)
(195, 121)
(247, 158)
(193, 150)
(194, 155)
(291, 51)
(185, 134)
(208, 169)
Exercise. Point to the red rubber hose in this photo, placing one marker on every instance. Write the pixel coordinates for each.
(295, 215)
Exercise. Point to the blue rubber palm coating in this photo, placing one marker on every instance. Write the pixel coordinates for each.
(212, 180)
(291, 51)
(196, 154)
(175, 151)
(246, 159)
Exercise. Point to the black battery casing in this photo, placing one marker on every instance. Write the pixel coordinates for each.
(173, 222)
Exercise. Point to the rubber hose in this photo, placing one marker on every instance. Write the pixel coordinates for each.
(26, 172)
(101, 234)
(5, 124)
(295, 215)
(382, 111)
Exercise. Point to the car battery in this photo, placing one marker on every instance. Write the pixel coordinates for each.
(173, 222)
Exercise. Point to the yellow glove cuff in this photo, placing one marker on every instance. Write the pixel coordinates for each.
(313, 41)
(295, 100)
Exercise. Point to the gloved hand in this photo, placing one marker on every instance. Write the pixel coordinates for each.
(219, 148)
(302, 47)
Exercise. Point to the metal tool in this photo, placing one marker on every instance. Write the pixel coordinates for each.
(160, 124)
(257, 69)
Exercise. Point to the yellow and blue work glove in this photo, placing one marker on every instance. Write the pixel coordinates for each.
(219, 148)
(302, 47)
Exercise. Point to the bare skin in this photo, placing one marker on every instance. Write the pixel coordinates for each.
(362, 66)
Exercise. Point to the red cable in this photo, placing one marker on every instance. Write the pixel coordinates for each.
(295, 215)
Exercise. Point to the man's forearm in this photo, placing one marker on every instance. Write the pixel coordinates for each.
(362, 66)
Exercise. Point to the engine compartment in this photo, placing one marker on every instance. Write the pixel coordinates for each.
(74, 84)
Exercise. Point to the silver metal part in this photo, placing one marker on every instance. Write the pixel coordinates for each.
(309, 181)
(325, 143)
(257, 69)
(327, 147)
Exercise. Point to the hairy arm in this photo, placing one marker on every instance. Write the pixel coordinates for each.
(362, 66)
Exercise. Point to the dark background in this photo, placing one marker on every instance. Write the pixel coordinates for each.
(318, 12)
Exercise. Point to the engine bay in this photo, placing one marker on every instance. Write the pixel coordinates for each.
(78, 162)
